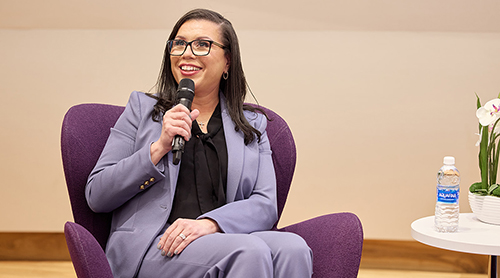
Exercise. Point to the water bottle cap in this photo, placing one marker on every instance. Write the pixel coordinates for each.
(449, 160)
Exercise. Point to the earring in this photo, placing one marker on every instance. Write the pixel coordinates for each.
(225, 75)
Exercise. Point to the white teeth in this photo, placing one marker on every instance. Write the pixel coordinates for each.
(189, 68)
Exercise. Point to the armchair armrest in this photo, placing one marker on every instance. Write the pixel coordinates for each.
(86, 254)
(336, 241)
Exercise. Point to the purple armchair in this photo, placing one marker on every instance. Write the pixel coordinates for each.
(336, 239)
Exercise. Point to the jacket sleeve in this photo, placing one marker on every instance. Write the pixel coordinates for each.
(124, 168)
(255, 209)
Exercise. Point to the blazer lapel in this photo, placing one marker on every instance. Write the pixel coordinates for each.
(235, 150)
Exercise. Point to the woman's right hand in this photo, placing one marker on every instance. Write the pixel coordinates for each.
(176, 121)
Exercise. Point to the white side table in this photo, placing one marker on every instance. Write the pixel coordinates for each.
(473, 236)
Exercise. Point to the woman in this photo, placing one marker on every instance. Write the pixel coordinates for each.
(210, 215)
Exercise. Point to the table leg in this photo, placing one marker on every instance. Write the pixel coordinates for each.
(493, 269)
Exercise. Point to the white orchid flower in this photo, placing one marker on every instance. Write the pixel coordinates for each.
(489, 113)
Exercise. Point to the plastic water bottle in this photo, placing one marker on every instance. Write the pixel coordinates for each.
(448, 189)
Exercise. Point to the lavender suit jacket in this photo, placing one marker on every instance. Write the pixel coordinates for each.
(141, 194)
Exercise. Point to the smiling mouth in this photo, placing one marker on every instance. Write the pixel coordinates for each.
(190, 68)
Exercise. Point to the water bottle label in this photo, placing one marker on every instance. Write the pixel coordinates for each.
(449, 196)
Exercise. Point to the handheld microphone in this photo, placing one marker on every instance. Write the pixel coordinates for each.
(185, 95)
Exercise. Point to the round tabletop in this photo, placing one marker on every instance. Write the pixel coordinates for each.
(473, 236)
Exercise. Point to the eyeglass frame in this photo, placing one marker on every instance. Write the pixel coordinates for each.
(170, 42)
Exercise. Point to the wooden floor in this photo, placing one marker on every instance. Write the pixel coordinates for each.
(30, 269)
(372, 273)
(18, 269)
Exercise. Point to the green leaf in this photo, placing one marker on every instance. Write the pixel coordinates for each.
(476, 187)
(492, 188)
(483, 158)
(496, 192)
(478, 106)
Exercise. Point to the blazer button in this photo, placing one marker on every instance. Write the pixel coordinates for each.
(146, 183)
(142, 187)
(152, 179)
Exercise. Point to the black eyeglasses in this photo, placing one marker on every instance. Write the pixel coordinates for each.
(198, 47)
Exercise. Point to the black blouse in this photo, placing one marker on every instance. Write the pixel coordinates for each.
(201, 186)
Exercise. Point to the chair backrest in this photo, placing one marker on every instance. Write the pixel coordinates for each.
(284, 155)
(85, 130)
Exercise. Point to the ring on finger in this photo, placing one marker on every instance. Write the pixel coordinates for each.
(181, 235)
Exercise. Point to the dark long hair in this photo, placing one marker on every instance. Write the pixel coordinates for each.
(234, 88)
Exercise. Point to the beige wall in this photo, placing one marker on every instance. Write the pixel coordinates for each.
(372, 112)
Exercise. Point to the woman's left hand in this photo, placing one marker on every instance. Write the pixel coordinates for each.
(184, 231)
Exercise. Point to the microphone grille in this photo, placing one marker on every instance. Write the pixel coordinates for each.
(186, 83)
(186, 89)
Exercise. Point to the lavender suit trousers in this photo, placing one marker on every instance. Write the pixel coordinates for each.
(256, 255)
